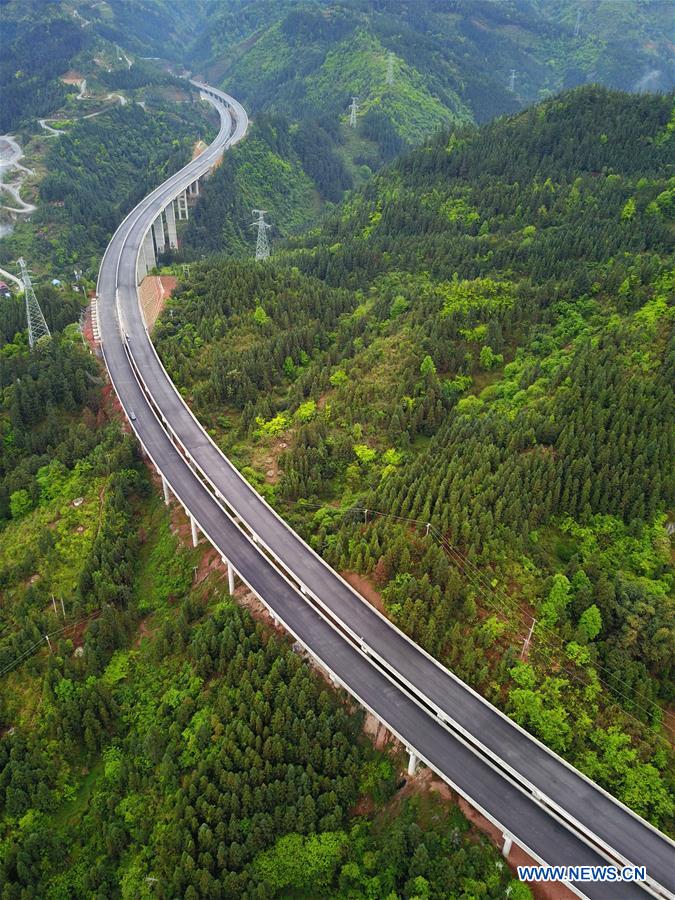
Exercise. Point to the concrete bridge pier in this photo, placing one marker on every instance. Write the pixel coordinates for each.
(149, 250)
(412, 762)
(506, 848)
(141, 265)
(158, 232)
(182, 203)
(195, 531)
(170, 214)
(230, 575)
(165, 490)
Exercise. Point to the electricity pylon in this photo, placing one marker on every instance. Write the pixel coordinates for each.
(512, 81)
(390, 69)
(37, 326)
(262, 246)
(353, 109)
(577, 27)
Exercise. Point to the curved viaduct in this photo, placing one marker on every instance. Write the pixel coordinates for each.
(536, 799)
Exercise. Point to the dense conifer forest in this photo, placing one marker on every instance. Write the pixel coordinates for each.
(160, 736)
(454, 378)
(480, 339)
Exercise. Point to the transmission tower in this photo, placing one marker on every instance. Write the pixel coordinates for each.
(37, 327)
(262, 246)
(390, 69)
(577, 27)
(512, 81)
(353, 109)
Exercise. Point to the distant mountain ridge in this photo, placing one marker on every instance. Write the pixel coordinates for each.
(415, 69)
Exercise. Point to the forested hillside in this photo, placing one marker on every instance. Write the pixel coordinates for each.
(415, 68)
(458, 387)
(94, 173)
(480, 339)
(151, 733)
(43, 40)
(97, 127)
(458, 54)
(267, 173)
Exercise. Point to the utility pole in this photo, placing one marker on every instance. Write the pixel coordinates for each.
(353, 109)
(526, 645)
(37, 326)
(262, 247)
(390, 69)
(512, 81)
(49, 642)
(577, 27)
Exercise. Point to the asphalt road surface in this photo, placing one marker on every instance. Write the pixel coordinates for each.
(518, 811)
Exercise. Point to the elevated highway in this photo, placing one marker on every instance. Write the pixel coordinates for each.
(533, 796)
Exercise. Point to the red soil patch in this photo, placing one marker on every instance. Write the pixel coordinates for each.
(198, 149)
(143, 631)
(321, 402)
(210, 562)
(111, 408)
(72, 77)
(155, 290)
(76, 632)
(378, 733)
(366, 589)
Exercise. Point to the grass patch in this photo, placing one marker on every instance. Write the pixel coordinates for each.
(164, 568)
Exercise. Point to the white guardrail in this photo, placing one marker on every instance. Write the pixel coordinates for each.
(239, 518)
(391, 673)
(411, 690)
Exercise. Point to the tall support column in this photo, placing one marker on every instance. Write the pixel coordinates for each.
(182, 206)
(195, 532)
(170, 214)
(508, 843)
(149, 247)
(141, 265)
(158, 231)
(165, 490)
(230, 575)
(195, 188)
(412, 762)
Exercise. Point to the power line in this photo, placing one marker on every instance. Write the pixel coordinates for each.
(30, 650)
(481, 584)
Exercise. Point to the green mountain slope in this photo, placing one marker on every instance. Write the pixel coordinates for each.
(415, 68)
(480, 340)
(159, 734)
(461, 49)
(103, 42)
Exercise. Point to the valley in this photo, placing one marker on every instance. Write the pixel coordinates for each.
(452, 378)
